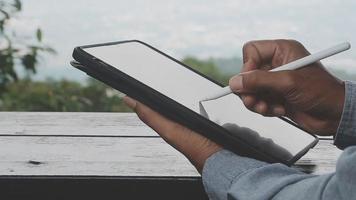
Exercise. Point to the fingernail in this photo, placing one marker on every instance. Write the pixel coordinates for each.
(130, 102)
(236, 83)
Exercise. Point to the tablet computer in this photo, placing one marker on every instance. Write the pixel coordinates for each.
(175, 90)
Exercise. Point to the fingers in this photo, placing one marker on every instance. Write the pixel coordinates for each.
(130, 102)
(194, 146)
(262, 91)
(257, 54)
(249, 100)
(147, 115)
(278, 110)
(259, 80)
(262, 107)
(157, 122)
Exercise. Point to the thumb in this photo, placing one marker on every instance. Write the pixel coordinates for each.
(257, 80)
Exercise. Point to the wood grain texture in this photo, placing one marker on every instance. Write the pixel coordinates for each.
(105, 144)
(91, 156)
(88, 124)
(104, 156)
(321, 159)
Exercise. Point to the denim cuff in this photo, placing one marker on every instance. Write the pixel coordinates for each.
(346, 132)
(221, 169)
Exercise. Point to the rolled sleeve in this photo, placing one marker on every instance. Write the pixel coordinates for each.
(221, 169)
(346, 132)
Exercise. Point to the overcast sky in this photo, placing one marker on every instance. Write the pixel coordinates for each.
(203, 28)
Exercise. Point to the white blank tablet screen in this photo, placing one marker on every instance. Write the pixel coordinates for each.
(188, 88)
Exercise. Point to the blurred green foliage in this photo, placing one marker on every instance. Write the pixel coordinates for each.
(92, 96)
(71, 96)
(63, 95)
(16, 49)
(208, 68)
(66, 96)
(18, 94)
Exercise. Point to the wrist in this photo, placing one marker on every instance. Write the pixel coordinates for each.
(199, 155)
(339, 108)
(332, 110)
(345, 135)
(340, 100)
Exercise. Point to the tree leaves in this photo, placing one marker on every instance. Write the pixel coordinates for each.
(206, 67)
(29, 62)
(63, 95)
(5, 14)
(39, 35)
(15, 52)
(18, 5)
(2, 26)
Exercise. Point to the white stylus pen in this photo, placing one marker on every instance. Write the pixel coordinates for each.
(291, 66)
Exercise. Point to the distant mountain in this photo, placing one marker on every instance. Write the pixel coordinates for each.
(228, 65)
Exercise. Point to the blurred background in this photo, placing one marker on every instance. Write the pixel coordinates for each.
(37, 38)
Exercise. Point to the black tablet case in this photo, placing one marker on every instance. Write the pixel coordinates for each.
(111, 76)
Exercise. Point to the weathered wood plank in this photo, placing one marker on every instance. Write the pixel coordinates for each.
(321, 159)
(104, 156)
(91, 156)
(112, 155)
(88, 124)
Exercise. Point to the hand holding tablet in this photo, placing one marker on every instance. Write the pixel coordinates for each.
(142, 72)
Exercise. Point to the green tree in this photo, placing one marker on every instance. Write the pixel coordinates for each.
(14, 49)
(61, 96)
(71, 96)
(208, 68)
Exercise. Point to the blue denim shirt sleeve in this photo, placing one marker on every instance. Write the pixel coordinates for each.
(346, 132)
(229, 176)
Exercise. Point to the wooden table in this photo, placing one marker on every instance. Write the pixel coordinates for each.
(103, 156)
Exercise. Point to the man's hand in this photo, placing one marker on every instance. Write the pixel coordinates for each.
(194, 146)
(309, 96)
